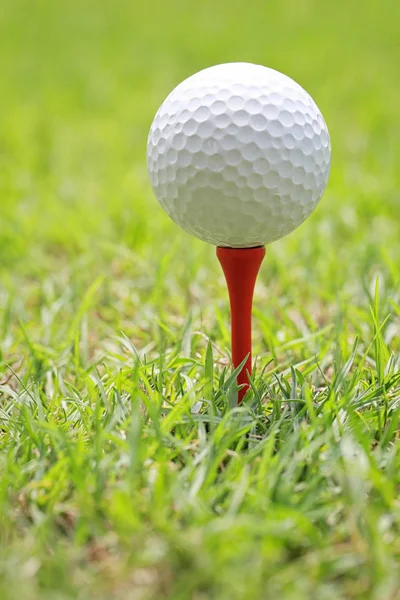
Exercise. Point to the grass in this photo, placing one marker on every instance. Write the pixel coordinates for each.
(124, 473)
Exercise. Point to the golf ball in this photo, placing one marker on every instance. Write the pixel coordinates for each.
(238, 155)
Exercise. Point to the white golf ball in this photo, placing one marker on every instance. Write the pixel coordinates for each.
(238, 155)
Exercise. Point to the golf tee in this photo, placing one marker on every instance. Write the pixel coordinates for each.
(241, 267)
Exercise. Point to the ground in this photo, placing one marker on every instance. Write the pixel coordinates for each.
(124, 472)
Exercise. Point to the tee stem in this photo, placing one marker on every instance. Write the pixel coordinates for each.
(241, 267)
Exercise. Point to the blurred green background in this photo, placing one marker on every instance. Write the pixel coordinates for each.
(81, 82)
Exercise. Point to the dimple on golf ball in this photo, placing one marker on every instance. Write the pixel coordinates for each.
(238, 155)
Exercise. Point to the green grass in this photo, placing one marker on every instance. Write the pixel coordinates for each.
(124, 474)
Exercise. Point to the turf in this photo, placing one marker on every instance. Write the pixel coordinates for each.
(125, 473)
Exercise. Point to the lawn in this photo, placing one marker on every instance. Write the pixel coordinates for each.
(124, 473)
